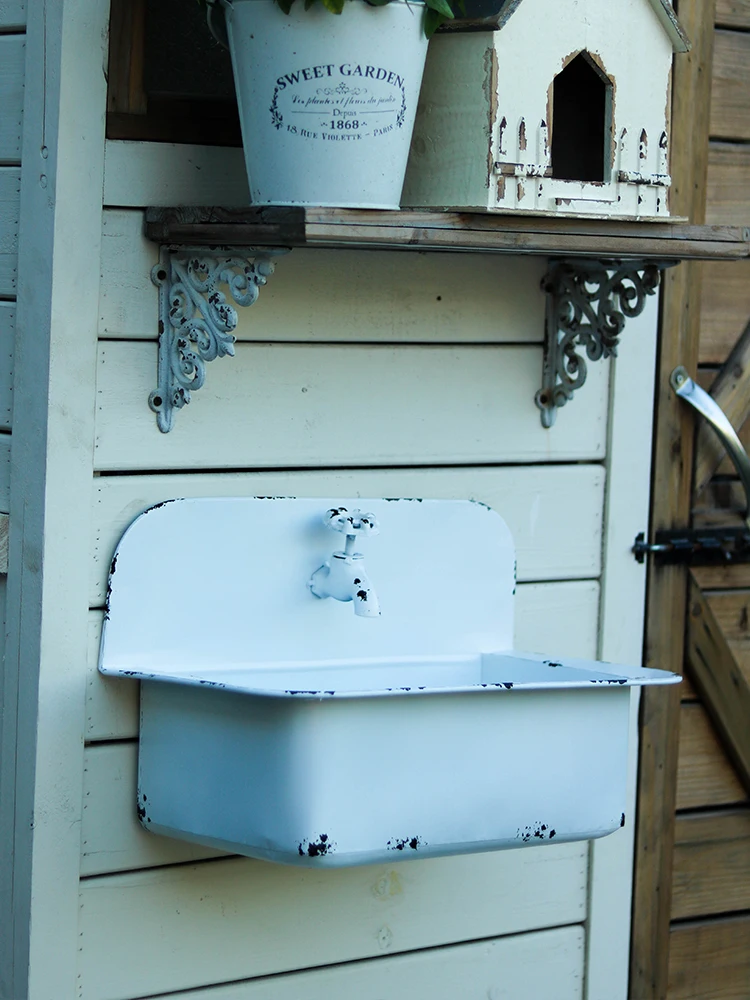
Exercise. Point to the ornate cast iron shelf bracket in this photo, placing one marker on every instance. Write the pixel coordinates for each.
(196, 320)
(588, 304)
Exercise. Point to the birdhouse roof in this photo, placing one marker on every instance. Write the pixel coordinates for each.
(670, 22)
(496, 13)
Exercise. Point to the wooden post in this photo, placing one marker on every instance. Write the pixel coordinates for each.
(671, 499)
(126, 91)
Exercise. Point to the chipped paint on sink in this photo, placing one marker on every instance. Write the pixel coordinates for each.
(281, 726)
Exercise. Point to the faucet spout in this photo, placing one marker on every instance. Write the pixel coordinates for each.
(366, 603)
(344, 578)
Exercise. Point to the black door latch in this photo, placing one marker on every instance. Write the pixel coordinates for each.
(695, 547)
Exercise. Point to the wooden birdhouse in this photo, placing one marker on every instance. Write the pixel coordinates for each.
(552, 107)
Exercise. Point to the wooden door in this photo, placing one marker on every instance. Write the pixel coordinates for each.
(691, 916)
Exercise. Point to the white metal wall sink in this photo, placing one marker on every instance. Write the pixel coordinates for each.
(283, 726)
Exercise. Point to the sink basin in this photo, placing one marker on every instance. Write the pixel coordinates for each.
(281, 726)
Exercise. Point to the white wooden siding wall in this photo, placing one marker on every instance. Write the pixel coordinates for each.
(438, 357)
(428, 335)
(12, 15)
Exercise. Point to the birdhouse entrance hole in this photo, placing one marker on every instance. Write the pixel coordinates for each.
(581, 121)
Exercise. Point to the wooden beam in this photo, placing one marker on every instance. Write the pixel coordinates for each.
(733, 13)
(710, 958)
(126, 92)
(723, 577)
(730, 108)
(711, 863)
(725, 308)
(727, 182)
(425, 230)
(671, 492)
(720, 680)
(705, 777)
(731, 390)
(666, 608)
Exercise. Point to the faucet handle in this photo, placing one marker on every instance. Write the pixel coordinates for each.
(351, 522)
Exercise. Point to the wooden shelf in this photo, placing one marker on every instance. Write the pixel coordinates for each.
(417, 230)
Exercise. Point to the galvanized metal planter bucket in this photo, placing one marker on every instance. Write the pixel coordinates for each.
(327, 102)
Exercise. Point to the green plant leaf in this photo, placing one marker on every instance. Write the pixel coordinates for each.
(436, 12)
(441, 7)
(432, 21)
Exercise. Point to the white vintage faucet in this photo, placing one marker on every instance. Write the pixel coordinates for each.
(343, 576)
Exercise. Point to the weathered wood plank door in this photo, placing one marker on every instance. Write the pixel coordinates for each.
(691, 915)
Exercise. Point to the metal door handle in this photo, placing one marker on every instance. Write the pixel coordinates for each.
(700, 400)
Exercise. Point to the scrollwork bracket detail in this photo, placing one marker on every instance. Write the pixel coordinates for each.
(588, 305)
(197, 318)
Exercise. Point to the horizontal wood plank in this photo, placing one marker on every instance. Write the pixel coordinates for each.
(733, 13)
(139, 174)
(728, 183)
(704, 777)
(542, 964)
(296, 406)
(290, 226)
(112, 839)
(730, 108)
(111, 702)
(725, 308)
(560, 619)
(10, 193)
(12, 71)
(722, 577)
(12, 15)
(711, 864)
(710, 959)
(534, 500)
(387, 297)
(422, 230)
(221, 921)
(7, 343)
